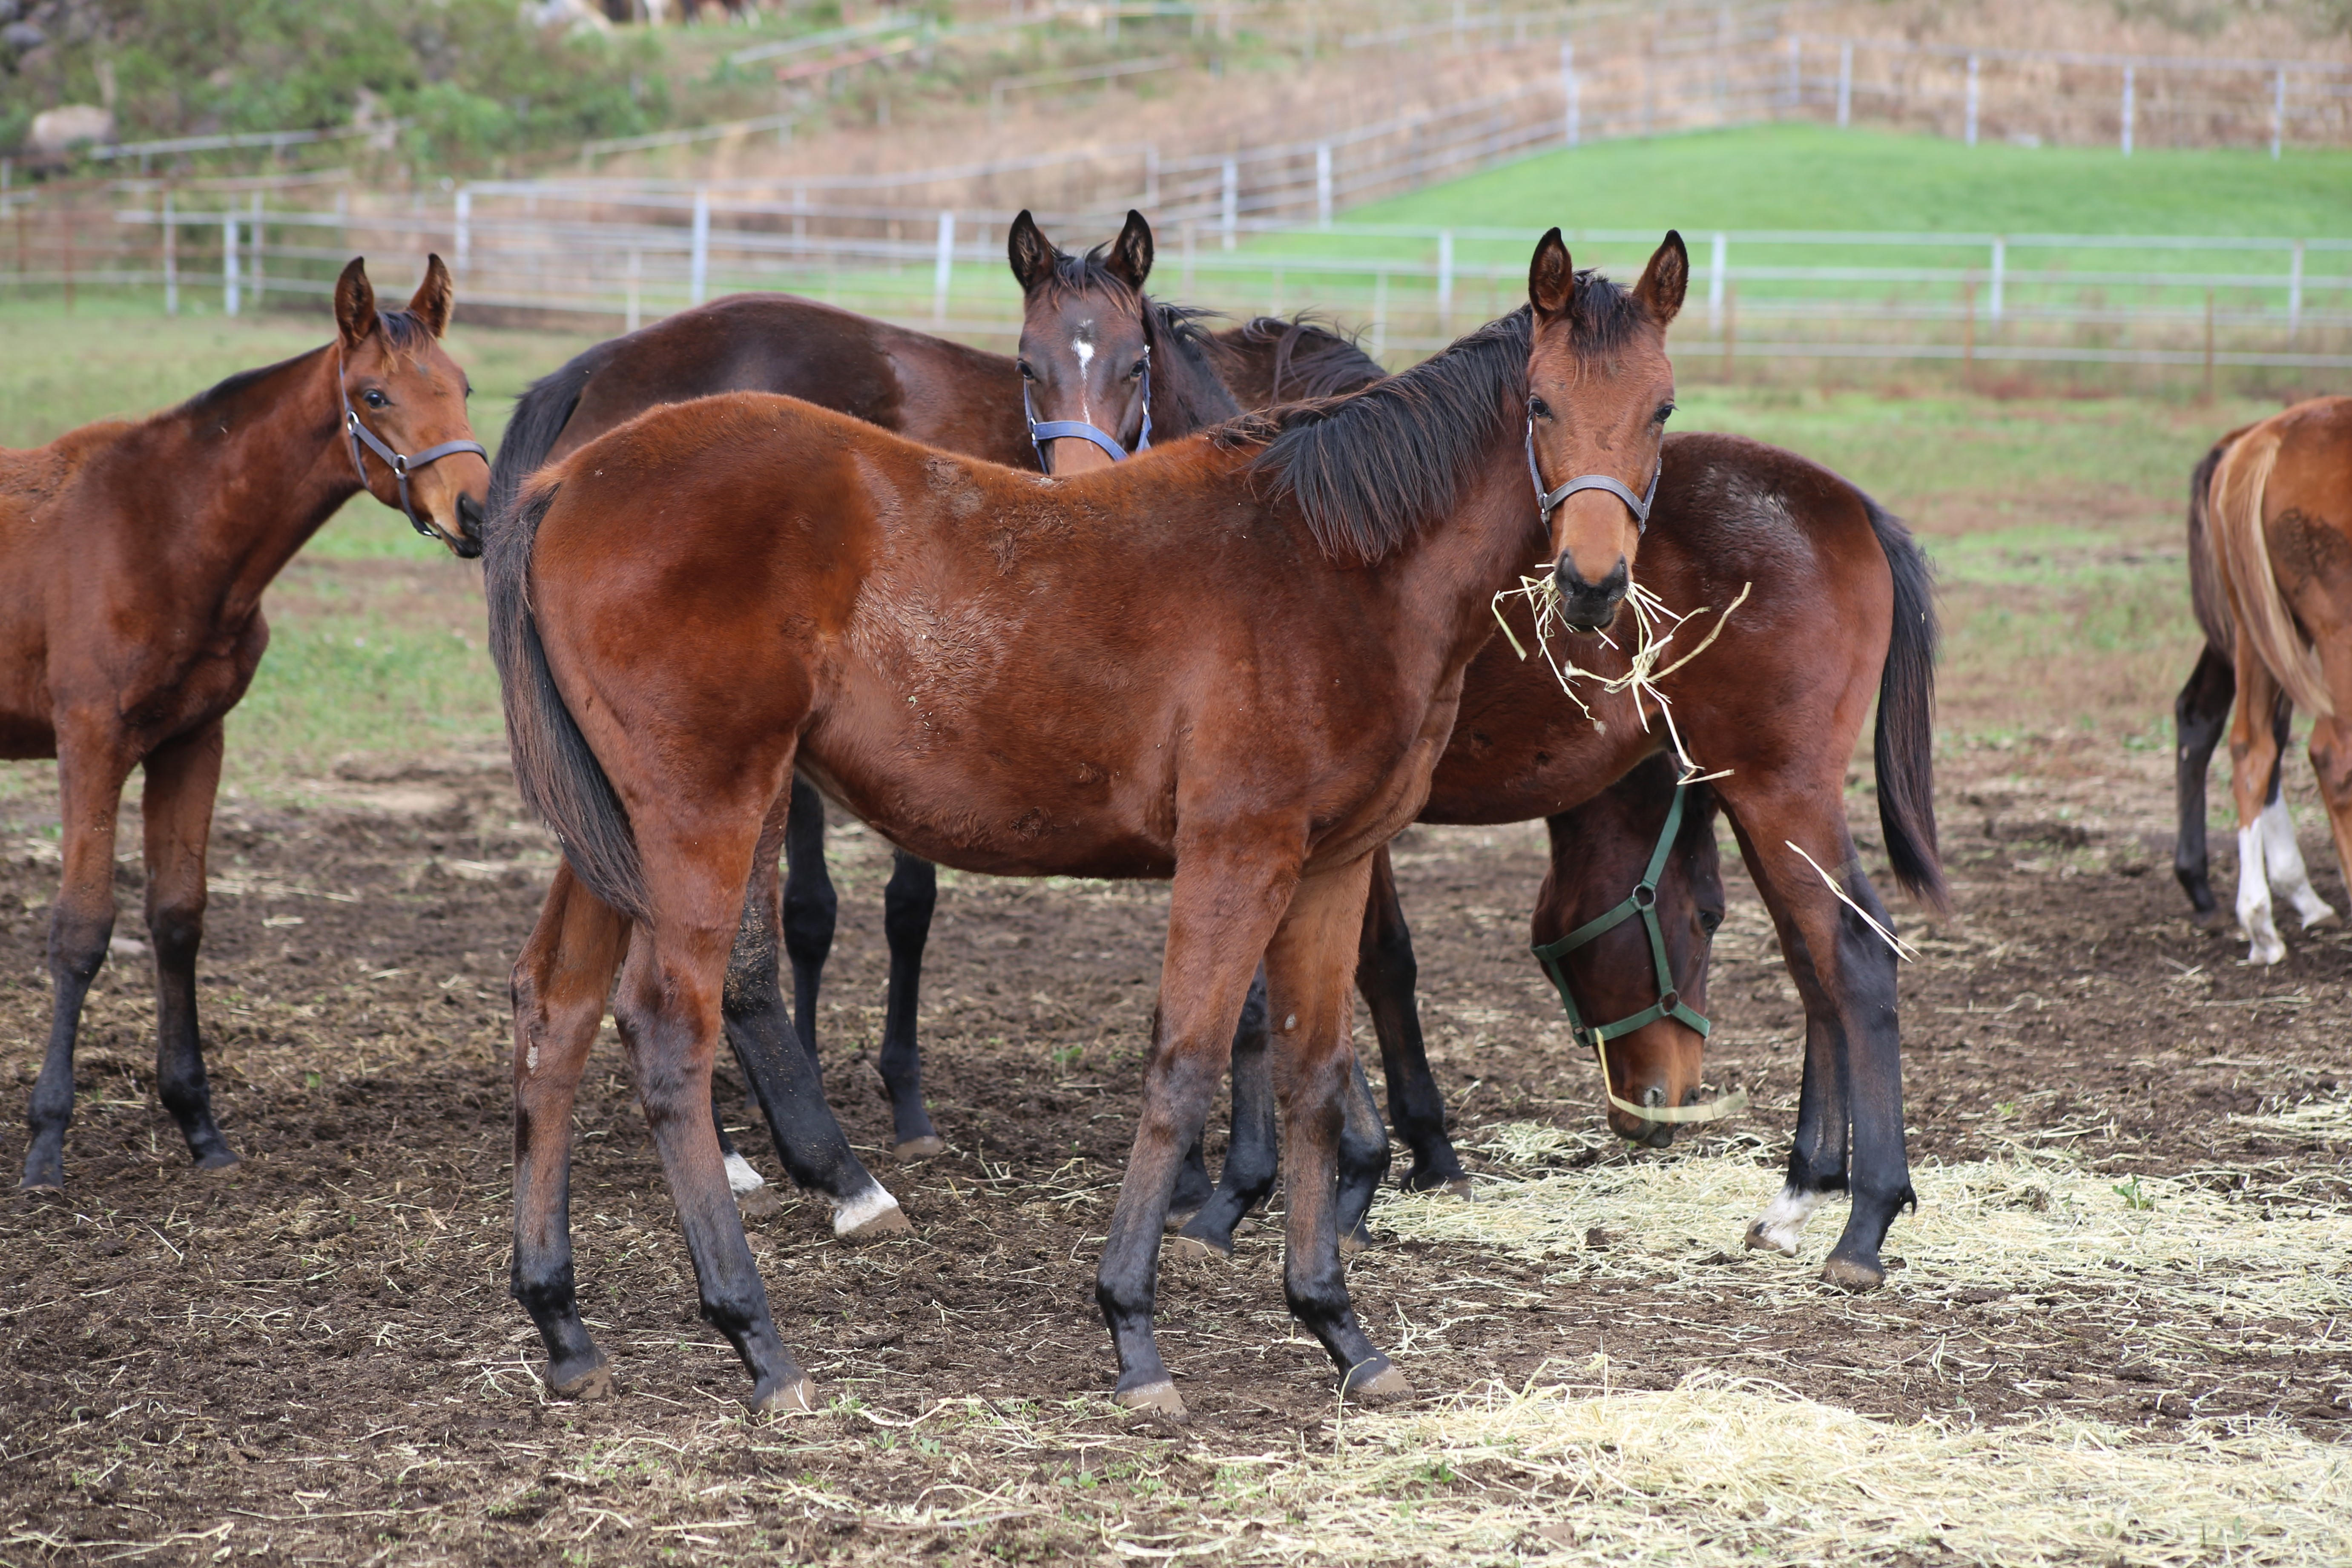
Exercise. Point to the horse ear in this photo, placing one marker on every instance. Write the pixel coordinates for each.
(1031, 253)
(1551, 277)
(355, 303)
(434, 297)
(1665, 281)
(1130, 253)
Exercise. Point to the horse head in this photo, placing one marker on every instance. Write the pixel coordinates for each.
(403, 408)
(1086, 346)
(1599, 388)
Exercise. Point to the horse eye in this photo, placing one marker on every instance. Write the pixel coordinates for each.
(1538, 408)
(1665, 412)
(1138, 370)
(1710, 918)
(372, 399)
(1027, 373)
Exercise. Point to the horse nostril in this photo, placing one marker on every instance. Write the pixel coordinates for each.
(1653, 1095)
(1691, 1095)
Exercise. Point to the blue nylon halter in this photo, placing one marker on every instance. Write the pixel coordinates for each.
(1547, 502)
(1044, 430)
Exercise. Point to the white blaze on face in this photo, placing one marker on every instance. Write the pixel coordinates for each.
(1083, 346)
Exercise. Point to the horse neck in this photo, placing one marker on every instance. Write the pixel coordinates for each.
(251, 479)
(1187, 392)
(1447, 575)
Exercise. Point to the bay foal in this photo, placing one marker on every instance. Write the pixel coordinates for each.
(1233, 662)
(132, 560)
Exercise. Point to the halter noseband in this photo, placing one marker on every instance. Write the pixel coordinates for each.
(1044, 430)
(1547, 502)
(399, 463)
(1643, 901)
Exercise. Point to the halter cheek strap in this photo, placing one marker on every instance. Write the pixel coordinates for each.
(400, 463)
(1546, 501)
(1642, 901)
(1044, 430)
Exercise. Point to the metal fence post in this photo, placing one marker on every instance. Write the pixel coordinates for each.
(1323, 185)
(1845, 84)
(228, 263)
(2000, 274)
(942, 268)
(1715, 275)
(1971, 135)
(2278, 114)
(2129, 108)
(171, 261)
(463, 224)
(1230, 202)
(699, 264)
(1568, 91)
(1444, 280)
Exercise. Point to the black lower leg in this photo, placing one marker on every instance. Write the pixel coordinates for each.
(907, 906)
(180, 1079)
(1253, 1156)
(2198, 715)
(77, 948)
(1879, 1178)
(541, 1274)
(1386, 976)
(1363, 1159)
(810, 907)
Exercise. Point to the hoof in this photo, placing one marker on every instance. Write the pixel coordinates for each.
(1179, 1218)
(760, 1203)
(592, 1380)
(792, 1398)
(2326, 919)
(1853, 1274)
(1460, 1187)
(891, 1222)
(1351, 1243)
(1376, 1379)
(1161, 1398)
(929, 1146)
(1194, 1249)
(1761, 1239)
(222, 1159)
(41, 1189)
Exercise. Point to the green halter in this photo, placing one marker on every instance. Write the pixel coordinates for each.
(1643, 901)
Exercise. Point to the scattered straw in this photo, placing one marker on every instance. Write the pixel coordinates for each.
(2329, 1121)
(1722, 1470)
(1902, 950)
(2116, 1243)
(1643, 670)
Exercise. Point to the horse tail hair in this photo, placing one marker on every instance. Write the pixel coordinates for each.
(2263, 621)
(540, 415)
(1903, 748)
(555, 769)
(2208, 599)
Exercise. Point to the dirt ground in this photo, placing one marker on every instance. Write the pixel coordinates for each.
(313, 1357)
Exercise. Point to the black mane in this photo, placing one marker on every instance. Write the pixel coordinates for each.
(1369, 468)
(400, 329)
(1313, 356)
(1185, 354)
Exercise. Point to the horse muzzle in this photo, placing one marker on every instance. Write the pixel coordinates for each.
(1588, 606)
(465, 543)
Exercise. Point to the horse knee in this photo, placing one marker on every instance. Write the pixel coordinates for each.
(78, 943)
(908, 906)
(176, 927)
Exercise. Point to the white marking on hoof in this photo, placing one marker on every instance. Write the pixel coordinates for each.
(2283, 857)
(1777, 1229)
(741, 1178)
(1158, 1397)
(862, 1210)
(2263, 946)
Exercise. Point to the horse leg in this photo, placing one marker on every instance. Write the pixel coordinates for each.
(782, 1072)
(2254, 758)
(668, 1010)
(91, 770)
(1252, 1151)
(1307, 976)
(1363, 1160)
(561, 981)
(810, 908)
(1844, 973)
(2331, 761)
(1386, 973)
(907, 906)
(2282, 856)
(1222, 910)
(2199, 714)
(177, 804)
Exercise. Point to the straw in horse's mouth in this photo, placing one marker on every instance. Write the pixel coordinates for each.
(1656, 627)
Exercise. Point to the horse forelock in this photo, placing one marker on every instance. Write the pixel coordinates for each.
(1368, 469)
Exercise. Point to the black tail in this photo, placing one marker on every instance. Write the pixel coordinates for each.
(558, 775)
(1904, 746)
(539, 417)
(2207, 597)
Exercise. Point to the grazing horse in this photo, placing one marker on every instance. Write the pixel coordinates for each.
(136, 557)
(1233, 662)
(2201, 713)
(2271, 575)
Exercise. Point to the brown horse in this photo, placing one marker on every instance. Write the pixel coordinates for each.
(2272, 578)
(1231, 662)
(136, 555)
